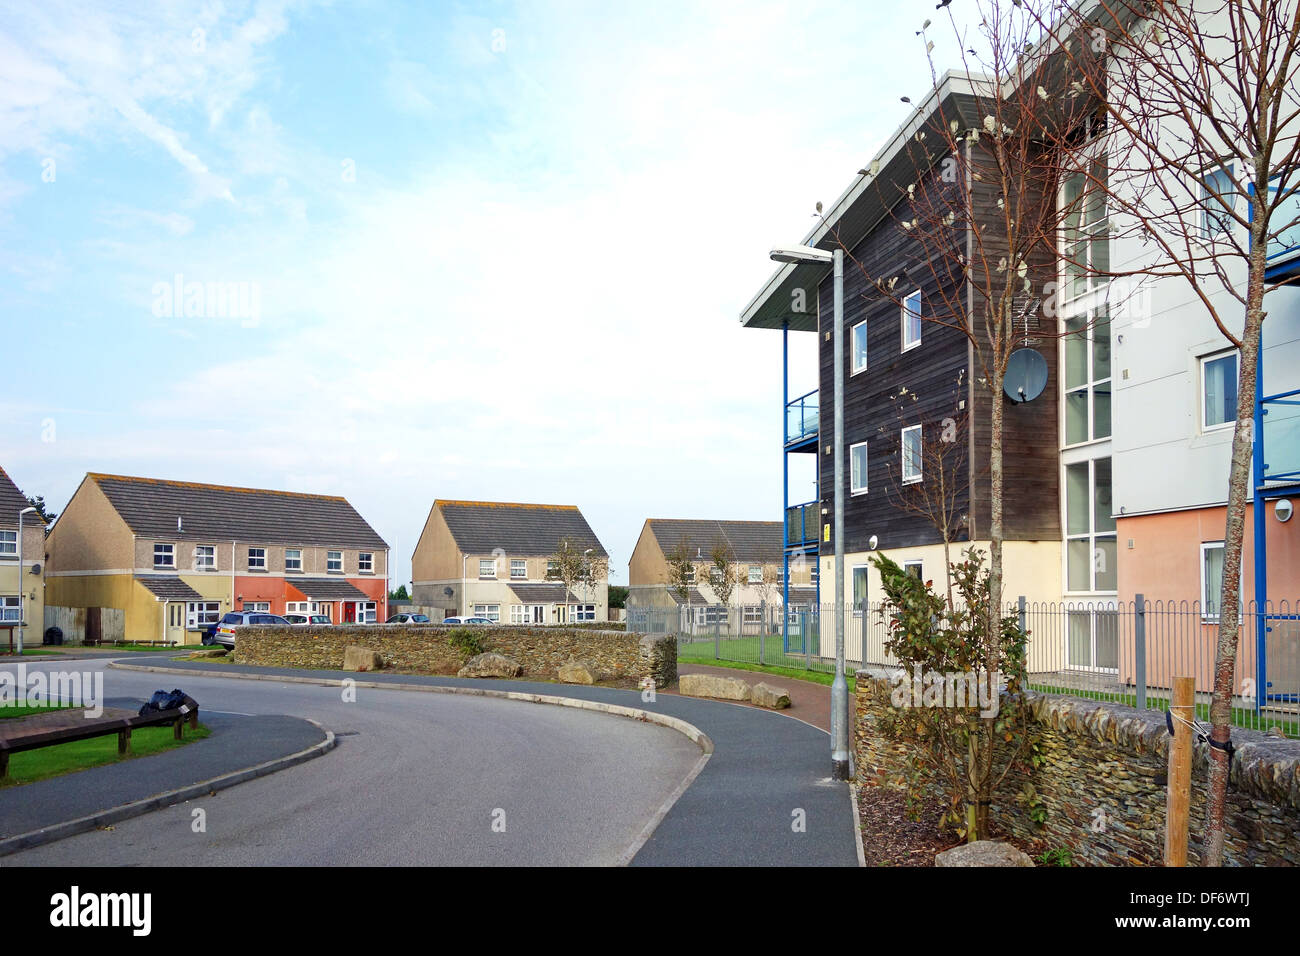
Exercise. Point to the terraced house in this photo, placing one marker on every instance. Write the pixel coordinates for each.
(27, 580)
(167, 558)
(494, 559)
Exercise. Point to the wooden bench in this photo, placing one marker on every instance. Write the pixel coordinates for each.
(100, 727)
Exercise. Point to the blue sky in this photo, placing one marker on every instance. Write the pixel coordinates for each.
(499, 249)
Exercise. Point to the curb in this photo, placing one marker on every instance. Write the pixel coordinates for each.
(690, 731)
(61, 831)
(857, 821)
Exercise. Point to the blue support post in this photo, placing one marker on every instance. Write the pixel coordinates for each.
(1261, 538)
(785, 487)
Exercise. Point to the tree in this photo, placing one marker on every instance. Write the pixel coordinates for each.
(1201, 170)
(47, 516)
(571, 564)
(681, 569)
(399, 595)
(617, 595)
(723, 572)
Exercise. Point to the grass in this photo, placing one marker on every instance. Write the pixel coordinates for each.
(151, 647)
(27, 710)
(742, 653)
(27, 652)
(791, 673)
(32, 765)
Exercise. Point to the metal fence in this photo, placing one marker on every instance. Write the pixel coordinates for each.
(1128, 652)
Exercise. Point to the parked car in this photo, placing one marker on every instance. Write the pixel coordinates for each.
(305, 620)
(468, 620)
(230, 624)
(405, 618)
(210, 633)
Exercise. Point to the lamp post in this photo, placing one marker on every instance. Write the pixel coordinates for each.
(22, 584)
(840, 688)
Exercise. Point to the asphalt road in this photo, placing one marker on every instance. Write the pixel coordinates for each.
(417, 779)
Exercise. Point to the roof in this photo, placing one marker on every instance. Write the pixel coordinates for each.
(169, 587)
(152, 506)
(757, 541)
(12, 501)
(328, 589)
(696, 597)
(480, 527)
(542, 593)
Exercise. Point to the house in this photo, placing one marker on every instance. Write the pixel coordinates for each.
(760, 571)
(22, 590)
(496, 559)
(159, 560)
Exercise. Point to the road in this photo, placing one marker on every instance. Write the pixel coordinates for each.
(417, 779)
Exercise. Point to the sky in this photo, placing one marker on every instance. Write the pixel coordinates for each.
(483, 251)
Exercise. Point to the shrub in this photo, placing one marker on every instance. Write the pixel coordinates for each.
(469, 641)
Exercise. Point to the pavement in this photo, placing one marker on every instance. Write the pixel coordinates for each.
(809, 701)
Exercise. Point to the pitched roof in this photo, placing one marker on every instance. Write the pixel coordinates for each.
(543, 593)
(758, 541)
(328, 589)
(151, 506)
(480, 527)
(695, 597)
(169, 587)
(12, 501)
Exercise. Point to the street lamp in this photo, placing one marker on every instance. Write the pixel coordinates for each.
(840, 688)
(22, 584)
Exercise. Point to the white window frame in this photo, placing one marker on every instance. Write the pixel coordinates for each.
(520, 565)
(257, 561)
(199, 614)
(582, 612)
(918, 564)
(490, 611)
(1201, 362)
(1086, 233)
(11, 608)
(1093, 534)
(9, 543)
(330, 559)
(517, 614)
(1211, 211)
(755, 574)
(167, 551)
(853, 487)
(752, 614)
(911, 479)
(906, 315)
(296, 564)
(1206, 617)
(854, 364)
(690, 575)
(297, 607)
(256, 607)
(487, 568)
(1092, 318)
(367, 612)
(365, 562)
(205, 557)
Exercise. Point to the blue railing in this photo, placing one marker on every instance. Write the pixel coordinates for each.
(802, 418)
(801, 524)
(1281, 415)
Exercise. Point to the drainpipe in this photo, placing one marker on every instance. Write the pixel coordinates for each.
(233, 543)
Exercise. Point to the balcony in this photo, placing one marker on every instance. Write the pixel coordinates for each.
(801, 524)
(1284, 249)
(1282, 439)
(802, 418)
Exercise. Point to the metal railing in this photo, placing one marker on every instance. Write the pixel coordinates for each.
(1125, 652)
(801, 523)
(802, 418)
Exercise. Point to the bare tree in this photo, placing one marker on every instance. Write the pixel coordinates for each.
(572, 565)
(681, 569)
(723, 571)
(1200, 165)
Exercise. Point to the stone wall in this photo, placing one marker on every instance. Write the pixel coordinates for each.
(426, 649)
(1098, 782)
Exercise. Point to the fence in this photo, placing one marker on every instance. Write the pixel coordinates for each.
(1127, 652)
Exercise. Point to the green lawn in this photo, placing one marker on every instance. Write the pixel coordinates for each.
(790, 673)
(26, 710)
(27, 652)
(150, 647)
(32, 765)
(745, 650)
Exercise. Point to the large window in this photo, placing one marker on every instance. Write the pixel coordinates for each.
(858, 468)
(9, 609)
(8, 542)
(487, 568)
(334, 561)
(164, 555)
(205, 557)
(1090, 527)
(490, 611)
(1085, 243)
(912, 320)
(367, 612)
(858, 344)
(1218, 190)
(582, 612)
(257, 559)
(1218, 391)
(293, 559)
(911, 453)
(1087, 377)
(257, 606)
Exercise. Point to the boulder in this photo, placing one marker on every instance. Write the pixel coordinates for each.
(711, 685)
(767, 695)
(578, 672)
(983, 853)
(208, 652)
(490, 665)
(361, 659)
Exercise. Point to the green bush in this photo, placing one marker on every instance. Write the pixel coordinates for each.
(469, 641)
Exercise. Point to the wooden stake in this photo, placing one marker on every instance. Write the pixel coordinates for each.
(1178, 797)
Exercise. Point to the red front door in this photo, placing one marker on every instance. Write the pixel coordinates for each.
(349, 612)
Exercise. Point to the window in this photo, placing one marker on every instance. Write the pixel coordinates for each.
(914, 568)
(755, 574)
(912, 321)
(297, 607)
(293, 560)
(366, 612)
(1089, 527)
(911, 452)
(552, 570)
(1086, 358)
(9, 610)
(1218, 194)
(164, 555)
(780, 574)
(257, 559)
(257, 606)
(859, 587)
(1212, 581)
(858, 469)
(752, 614)
(582, 612)
(518, 614)
(518, 568)
(815, 571)
(690, 575)
(334, 561)
(1218, 391)
(858, 344)
(487, 568)
(490, 611)
(365, 563)
(1084, 237)
(8, 542)
(205, 557)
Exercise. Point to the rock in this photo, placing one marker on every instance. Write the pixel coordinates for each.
(206, 653)
(767, 695)
(490, 665)
(711, 685)
(361, 659)
(577, 672)
(983, 853)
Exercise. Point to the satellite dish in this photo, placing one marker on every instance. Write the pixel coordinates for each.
(1026, 375)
